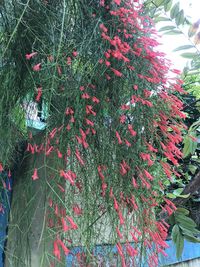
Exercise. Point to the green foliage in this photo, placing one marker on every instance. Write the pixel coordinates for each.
(183, 228)
(183, 47)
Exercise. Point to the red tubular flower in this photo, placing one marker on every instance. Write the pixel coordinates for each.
(78, 156)
(39, 94)
(119, 233)
(118, 138)
(64, 248)
(116, 206)
(35, 175)
(72, 223)
(77, 210)
(131, 131)
(65, 227)
(116, 72)
(56, 250)
(29, 56)
(131, 251)
(85, 96)
(120, 250)
(95, 99)
(1, 167)
(37, 67)
(75, 53)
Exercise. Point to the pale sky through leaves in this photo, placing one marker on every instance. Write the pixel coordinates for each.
(170, 42)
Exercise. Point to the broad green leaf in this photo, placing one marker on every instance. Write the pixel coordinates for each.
(173, 32)
(184, 196)
(183, 47)
(170, 195)
(189, 55)
(180, 18)
(174, 11)
(182, 210)
(190, 146)
(179, 245)
(192, 168)
(168, 5)
(166, 28)
(195, 125)
(175, 232)
(192, 239)
(190, 232)
(158, 19)
(185, 221)
(159, 2)
(178, 191)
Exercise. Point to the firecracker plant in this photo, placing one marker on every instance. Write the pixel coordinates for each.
(114, 122)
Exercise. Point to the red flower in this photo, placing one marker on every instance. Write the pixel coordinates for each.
(116, 206)
(56, 250)
(72, 223)
(37, 67)
(75, 53)
(39, 94)
(89, 110)
(64, 248)
(89, 122)
(69, 61)
(116, 72)
(118, 138)
(103, 28)
(64, 225)
(85, 96)
(95, 99)
(29, 56)
(1, 167)
(35, 174)
(132, 132)
(119, 233)
(78, 156)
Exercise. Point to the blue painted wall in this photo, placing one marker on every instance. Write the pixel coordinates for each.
(190, 251)
(4, 212)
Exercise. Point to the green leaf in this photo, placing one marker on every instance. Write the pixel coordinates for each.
(190, 146)
(175, 233)
(158, 19)
(166, 28)
(178, 191)
(190, 232)
(179, 245)
(180, 18)
(170, 195)
(184, 196)
(173, 32)
(186, 222)
(168, 5)
(182, 210)
(192, 168)
(192, 239)
(174, 11)
(159, 2)
(183, 47)
(189, 55)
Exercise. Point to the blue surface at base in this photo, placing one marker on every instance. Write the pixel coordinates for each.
(190, 251)
(4, 215)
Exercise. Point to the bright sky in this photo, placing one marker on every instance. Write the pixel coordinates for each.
(170, 42)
